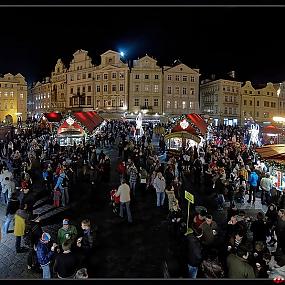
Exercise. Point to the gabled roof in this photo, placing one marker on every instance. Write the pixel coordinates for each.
(109, 51)
(91, 120)
(178, 68)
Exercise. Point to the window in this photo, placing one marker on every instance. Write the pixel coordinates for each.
(226, 98)
(88, 100)
(98, 88)
(266, 104)
(114, 75)
(121, 103)
(233, 89)
(169, 77)
(137, 88)
(183, 105)
(72, 77)
(155, 88)
(257, 103)
(48, 95)
(89, 75)
(244, 102)
(98, 103)
(273, 105)
(84, 76)
(184, 90)
(267, 93)
(245, 91)
(105, 88)
(137, 76)
(12, 94)
(250, 102)
(169, 90)
(175, 104)
(156, 76)
(78, 76)
(78, 90)
(231, 98)
(89, 88)
(266, 114)
(228, 88)
(146, 88)
(250, 92)
(137, 102)
(192, 79)
(146, 102)
(121, 87)
(177, 77)
(114, 88)
(105, 76)
(230, 111)
(226, 110)
(258, 92)
(146, 76)
(83, 89)
(191, 105)
(98, 77)
(224, 88)
(155, 102)
(113, 103)
(21, 96)
(192, 91)
(177, 89)
(168, 105)
(184, 78)
(121, 75)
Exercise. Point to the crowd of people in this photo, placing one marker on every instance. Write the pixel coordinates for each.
(225, 168)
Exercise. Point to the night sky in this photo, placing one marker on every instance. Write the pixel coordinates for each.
(215, 40)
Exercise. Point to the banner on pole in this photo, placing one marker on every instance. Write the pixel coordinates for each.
(189, 197)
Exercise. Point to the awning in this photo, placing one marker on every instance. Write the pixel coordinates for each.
(272, 152)
(182, 134)
(271, 130)
(65, 129)
(91, 120)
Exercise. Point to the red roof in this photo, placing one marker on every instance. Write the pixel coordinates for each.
(53, 117)
(199, 122)
(65, 126)
(271, 130)
(91, 120)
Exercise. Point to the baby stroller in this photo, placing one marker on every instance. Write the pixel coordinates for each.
(115, 201)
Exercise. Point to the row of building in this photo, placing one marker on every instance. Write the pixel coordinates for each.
(140, 85)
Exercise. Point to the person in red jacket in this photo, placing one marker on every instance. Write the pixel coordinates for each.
(122, 169)
(115, 201)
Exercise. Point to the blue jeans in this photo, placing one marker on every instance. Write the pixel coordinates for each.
(7, 223)
(5, 197)
(127, 204)
(133, 187)
(192, 271)
(46, 271)
(160, 196)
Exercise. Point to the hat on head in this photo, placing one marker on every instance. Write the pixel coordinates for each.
(65, 222)
(45, 237)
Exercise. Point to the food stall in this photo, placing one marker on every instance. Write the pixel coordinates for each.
(188, 131)
(272, 134)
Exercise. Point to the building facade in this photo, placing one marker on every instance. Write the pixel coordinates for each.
(146, 85)
(41, 97)
(111, 83)
(79, 95)
(260, 103)
(58, 87)
(13, 98)
(180, 90)
(221, 101)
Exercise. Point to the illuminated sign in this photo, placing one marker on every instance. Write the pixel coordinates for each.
(184, 124)
(70, 121)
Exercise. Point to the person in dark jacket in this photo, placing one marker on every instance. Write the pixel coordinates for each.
(44, 254)
(66, 263)
(194, 252)
(12, 207)
(259, 229)
(272, 217)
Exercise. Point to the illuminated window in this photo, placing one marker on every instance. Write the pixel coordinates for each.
(121, 103)
(98, 103)
(12, 94)
(21, 96)
(168, 104)
(155, 88)
(6, 94)
(146, 88)
(175, 104)
(183, 105)
(48, 95)
(190, 105)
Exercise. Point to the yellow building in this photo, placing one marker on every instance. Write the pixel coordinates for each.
(41, 96)
(80, 95)
(145, 90)
(259, 103)
(58, 87)
(220, 100)
(180, 89)
(13, 98)
(111, 83)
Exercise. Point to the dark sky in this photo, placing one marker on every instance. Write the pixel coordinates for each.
(216, 40)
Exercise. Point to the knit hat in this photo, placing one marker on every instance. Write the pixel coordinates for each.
(45, 237)
(65, 222)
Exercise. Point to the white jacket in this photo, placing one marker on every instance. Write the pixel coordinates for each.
(124, 193)
(159, 184)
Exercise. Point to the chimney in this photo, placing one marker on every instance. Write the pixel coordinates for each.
(232, 74)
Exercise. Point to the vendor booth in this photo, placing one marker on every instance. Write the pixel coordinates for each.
(188, 131)
(74, 127)
(274, 156)
(272, 135)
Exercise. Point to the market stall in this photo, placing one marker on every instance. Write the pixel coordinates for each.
(274, 157)
(271, 134)
(188, 131)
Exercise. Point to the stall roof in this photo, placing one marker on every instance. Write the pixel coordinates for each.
(53, 117)
(274, 152)
(271, 130)
(199, 122)
(91, 120)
